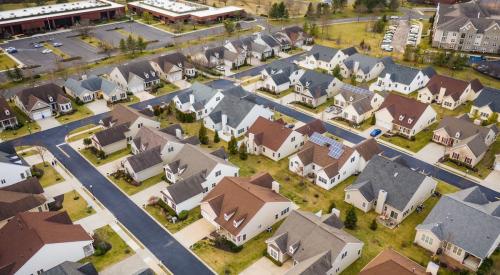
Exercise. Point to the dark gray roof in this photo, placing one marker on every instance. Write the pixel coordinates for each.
(316, 83)
(350, 51)
(142, 69)
(323, 53)
(145, 159)
(91, 84)
(235, 107)
(365, 63)
(111, 135)
(187, 188)
(467, 219)
(403, 74)
(201, 93)
(482, 14)
(488, 97)
(72, 268)
(400, 182)
(12, 158)
(270, 41)
(220, 153)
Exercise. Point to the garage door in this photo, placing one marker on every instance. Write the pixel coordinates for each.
(175, 76)
(37, 115)
(384, 124)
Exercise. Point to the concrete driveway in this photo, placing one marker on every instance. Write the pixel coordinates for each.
(98, 106)
(142, 197)
(431, 153)
(264, 266)
(182, 84)
(194, 232)
(492, 181)
(47, 123)
(144, 96)
(130, 265)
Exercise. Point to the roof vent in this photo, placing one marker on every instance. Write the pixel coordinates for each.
(51, 99)
(457, 135)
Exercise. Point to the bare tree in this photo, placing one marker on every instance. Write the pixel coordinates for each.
(41, 151)
(106, 48)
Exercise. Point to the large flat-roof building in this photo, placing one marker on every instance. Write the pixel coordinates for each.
(175, 10)
(51, 17)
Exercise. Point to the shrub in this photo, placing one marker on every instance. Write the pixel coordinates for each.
(332, 205)
(233, 146)
(183, 215)
(37, 172)
(243, 151)
(351, 219)
(87, 141)
(224, 244)
(373, 225)
(485, 266)
(216, 137)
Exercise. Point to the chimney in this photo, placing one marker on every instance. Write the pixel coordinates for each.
(224, 120)
(275, 186)
(178, 133)
(382, 196)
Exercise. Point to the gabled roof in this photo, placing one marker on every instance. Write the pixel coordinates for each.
(12, 158)
(323, 53)
(72, 268)
(28, 232)
(5, 110)
(90, 85)
(467, 219)
(166, 62)
(30, 96)
(399, 181)
(368, 148)
(269, 40)
(313, 126)
(145, 159)
(30, 185)
(201, 93)
(390, 262)
(405, 111)
(311, 237)
(319, 155)
(12, 203)
(349, 51)
(488, 97)
(365, 62)
(123, 114)
(142, 69)
(234, 106)
(454, 87)
(112, 134)
(240, 198)
(270, 134)
(316, 83)
(403, 74)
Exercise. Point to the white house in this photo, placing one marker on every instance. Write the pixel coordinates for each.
(275, 78)
(235, 113)
(487, 104)
(404, 116)
(401, 79)
(43, 101)
(8, 119)
(327, 162)
(391, 188)
(294, 36)
(173, 67)
(36, 241)
(357, 104)
(313, 88)
(465, 226)
(364, 68)
(135, 77)
(13, 169)
(314, 242)
(199, 99)
(193, 173)
(449, 92)
(94, 87)
(324, 58)
(241, 208)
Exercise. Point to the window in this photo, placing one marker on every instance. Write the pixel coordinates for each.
(22, 176)
(293, 139)
(218, 173)
(3, 181)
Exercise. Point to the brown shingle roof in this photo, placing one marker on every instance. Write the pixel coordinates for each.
(123, 114)
(243, 196)
(368, 148)
(454, 87)
(269, 133)
(311, 127)
(28, 232)
(404, 111)
(390, 262)
(30, 96)
(12, 203)
(29, 185)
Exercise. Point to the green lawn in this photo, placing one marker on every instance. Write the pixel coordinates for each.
(156, 212)
(287, 119)
(421, 139)
(310, 197)
(182, 28)
(50, 175)
(82, 132)
(166, 89)
(199, 78)
(119, 250)
(79, 112)
(82, 129)
(224, 262)
(91, 40)
(98, 162)
(131, 189)
(29, 153)
(27, 127)
(363, 126)
(317, 109)
(7, 62)
(132, 99)
(76, 206)
(280, 95)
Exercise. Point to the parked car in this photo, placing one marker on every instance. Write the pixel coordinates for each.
(57, 44)
(330, 109)
(394, 17)
(11, 50)
(375, 132)
(37, 45)
(46, 51)
(220, 68)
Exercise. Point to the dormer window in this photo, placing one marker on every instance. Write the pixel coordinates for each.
(7, 112)
(291, 249)
(457, 135)
(410, 120)
(51, 99)
(153, 74)
(351, 98)
(228, 216)
(237, 223)
(401, 117)
(146, 75)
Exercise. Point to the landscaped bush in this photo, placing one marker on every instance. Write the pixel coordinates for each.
(101, 246)
(36, 172)
(226, 245)
(183, 215)
(185, 117)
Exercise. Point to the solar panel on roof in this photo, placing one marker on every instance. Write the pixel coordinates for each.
(335, 148)
(355, 89)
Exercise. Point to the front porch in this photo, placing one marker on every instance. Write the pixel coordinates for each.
(470, 262)
(387, 221)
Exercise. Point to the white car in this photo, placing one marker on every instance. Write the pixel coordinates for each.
(11, 50)
(57, 44)
(46, 51)
(393, 17)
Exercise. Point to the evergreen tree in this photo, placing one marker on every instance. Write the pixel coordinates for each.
(281, 10)
(394, 5)
(314, 30)
(216, 137)
(319, 9)
(243, 151)
(123, 46)
(233, 146)
(336, 72)
(130, 43)
(273, 12)
(306, 27)
(310, 10)
(202, 134)
(18, 73)
(141, 45)
(374, 120)
(351, 219)
(373, 225)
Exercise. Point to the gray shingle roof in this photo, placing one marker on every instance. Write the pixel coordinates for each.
(488, 97)
(91, 84)
(316, 83)
(235, 104)
(12, 158)
(467, 219)
(188, 188)
(366, 63)
(323, 53)
(403, 74)
(72, 268)
(146, 159)
(112, 134)
(399, 181)
(201, 93)
(142, 69)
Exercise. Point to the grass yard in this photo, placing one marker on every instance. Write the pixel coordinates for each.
(119, 250)
(317, 109)
(131, 189)
(87, 153)
(363, 126)
(77, 208)
(166, 89)
(26, 129)
(132, 99)
(484, 166)
(280, 95)
(82, 132)
(156, 212)
(79, 112)
(126, 34)
(7, 62)
(287, 119)
(224, 262)
(421, 139)
(199, 78)
(50, 175)
(182, 29)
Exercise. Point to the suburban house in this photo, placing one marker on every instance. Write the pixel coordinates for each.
(193, 173)
(322, 57)
(275, 78)
(23, 196)
(173, 67)
(315, 243)
(152, 148)
(241, 208)
(404, 116)
(255, 47)
(357, 104)
(449, 92)
(13, 169)
(327, 162)
(235, 113)
(199, 99)
(465, 141)
(390, 187)
(8, 119)
(94, 87)
(487, 104)
(33, 242)
(272, 139)
(72, 268)
(364, 68)
(122, 125)
(295, 36)
(389, 261)
(401, 79)
(135, 77)
(219, 56)
(43, 101)
(463, 227)
(313, 88)
(313, 126)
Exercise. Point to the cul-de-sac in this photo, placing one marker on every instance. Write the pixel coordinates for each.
(297, 137)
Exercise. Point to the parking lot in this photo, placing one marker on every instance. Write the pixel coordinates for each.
(73, 46)
(401, 33)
